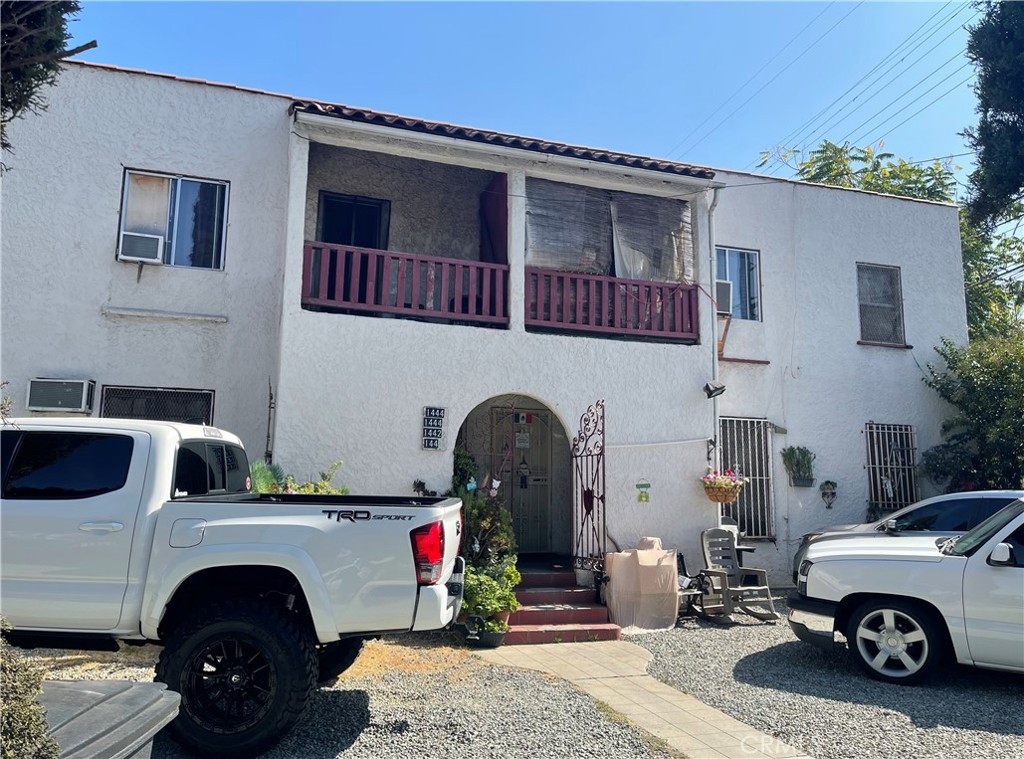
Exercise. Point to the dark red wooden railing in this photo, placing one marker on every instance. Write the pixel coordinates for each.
(382, 281)
(572, 302)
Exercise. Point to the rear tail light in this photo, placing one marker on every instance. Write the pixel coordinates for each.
(428, 552)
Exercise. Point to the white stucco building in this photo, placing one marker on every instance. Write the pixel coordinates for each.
(189, 247)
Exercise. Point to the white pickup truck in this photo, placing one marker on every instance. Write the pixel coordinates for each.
(147, 532)
(905, 603)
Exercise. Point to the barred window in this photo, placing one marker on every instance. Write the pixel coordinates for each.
(747, 449)
(891, 466)
(881, 304)
(158, 403)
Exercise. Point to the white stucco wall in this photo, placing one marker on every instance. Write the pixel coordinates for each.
(353, 388)
(61, 215)
(819, 384)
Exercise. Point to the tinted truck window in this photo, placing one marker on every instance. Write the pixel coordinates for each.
(204, 468)
(66, 465)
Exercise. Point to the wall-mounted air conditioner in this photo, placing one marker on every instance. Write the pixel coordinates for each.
(146, 249)
(60, 395)
(723, 296)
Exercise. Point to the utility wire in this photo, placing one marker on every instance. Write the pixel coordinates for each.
(878, 65)
(816, 134)
(752, 78)
(780, 73)
(902, 95)
(947, 92)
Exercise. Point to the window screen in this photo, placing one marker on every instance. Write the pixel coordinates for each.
(881, 304)
(159, 404)
(68, 465)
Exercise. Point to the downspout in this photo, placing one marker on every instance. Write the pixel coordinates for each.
(713, 269)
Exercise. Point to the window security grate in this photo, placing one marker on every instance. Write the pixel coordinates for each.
(747, 449)
(891, 467)
(157, 403)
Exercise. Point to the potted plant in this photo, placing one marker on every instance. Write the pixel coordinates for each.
(799, 463)
(722, 487)
(489, 599)
(828, 492)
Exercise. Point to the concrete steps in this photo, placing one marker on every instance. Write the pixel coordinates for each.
(553, 609)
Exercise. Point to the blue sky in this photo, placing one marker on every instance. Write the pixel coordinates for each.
(707, 83)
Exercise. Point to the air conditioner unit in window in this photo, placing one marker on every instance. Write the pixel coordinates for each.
(146, 249)
(723, 296)
(60, 395)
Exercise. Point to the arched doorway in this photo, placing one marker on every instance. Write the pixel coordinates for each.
(518, 440)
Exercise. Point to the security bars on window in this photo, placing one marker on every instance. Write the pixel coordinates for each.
(747, 447)
(880, 297)
(161, 404)
(891, 467)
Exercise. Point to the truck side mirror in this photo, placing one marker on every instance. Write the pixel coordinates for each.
(1002, 556)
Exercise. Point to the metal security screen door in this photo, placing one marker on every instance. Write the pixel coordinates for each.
(891, 467)
(747, 450)
(588, 497)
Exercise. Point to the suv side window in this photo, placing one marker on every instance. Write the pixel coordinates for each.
(944, 516)
(50, 466)
(204, 468)
(986, 507)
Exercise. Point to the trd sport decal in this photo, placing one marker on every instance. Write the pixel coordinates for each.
(350, 515)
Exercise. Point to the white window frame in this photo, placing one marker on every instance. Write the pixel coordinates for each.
(896, 307)
(174, 197)
(724, 275)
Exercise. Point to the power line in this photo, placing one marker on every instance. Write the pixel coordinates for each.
(902, 95)
(837, 118)
(878, 65)
(752, 78)
(780, 73)
(947, 92)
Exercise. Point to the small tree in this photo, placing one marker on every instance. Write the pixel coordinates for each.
(33, 41)
(984, 442)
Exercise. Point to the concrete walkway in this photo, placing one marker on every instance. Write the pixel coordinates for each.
(615, 672)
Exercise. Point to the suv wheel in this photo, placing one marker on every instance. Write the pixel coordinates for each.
(245, 670)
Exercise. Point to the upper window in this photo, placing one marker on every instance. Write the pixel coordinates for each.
(173, 220)
(355, 221)
(49, 466)
(881, 304)
(157, 403)
(741, 269)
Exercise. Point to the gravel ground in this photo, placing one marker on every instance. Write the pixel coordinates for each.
(414, 696)
(819, 702)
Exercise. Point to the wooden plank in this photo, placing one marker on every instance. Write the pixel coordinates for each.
(352, 290)
(473, 273)
(372, 259)
(444, 288)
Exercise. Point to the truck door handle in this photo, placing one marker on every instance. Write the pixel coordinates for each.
(101, 527)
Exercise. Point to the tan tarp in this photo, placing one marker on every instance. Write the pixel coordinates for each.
(643, 589)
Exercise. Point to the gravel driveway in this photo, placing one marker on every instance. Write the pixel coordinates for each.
(818, 702)
(412, 697)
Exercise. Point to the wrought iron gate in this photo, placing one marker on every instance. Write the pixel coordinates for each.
(588, 494)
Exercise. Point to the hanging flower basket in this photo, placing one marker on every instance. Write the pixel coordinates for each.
(722, 488)
(723, 495)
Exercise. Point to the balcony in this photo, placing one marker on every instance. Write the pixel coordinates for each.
(355, 280)
(609, 306)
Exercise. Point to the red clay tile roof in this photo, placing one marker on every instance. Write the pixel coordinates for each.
(366, 116)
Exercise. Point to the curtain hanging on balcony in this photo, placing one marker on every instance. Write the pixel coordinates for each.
(593, 231)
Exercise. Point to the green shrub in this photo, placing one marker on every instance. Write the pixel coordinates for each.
(270, 478)
(490, 591)
(487, 535)
(22, 718)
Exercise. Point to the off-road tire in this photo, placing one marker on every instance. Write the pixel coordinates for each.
(249, 641)
(337, 657)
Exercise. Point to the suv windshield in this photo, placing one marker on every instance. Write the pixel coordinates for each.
(971, 541)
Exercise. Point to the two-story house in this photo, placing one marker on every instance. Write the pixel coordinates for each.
(337, 283)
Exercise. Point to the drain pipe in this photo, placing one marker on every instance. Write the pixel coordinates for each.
(713, 270)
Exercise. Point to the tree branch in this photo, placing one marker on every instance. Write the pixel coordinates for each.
(58, 57)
